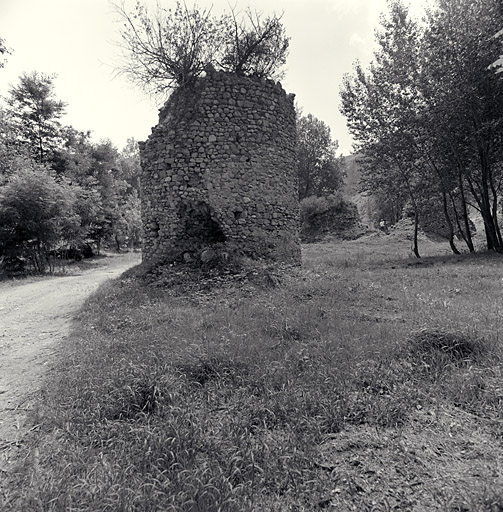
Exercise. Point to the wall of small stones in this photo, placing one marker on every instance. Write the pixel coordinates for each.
(219, 168)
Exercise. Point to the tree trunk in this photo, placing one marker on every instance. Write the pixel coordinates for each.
(485, 211)
(449, 223)
(467, 233)
(490, 219)
(495, 216)
(416, 230)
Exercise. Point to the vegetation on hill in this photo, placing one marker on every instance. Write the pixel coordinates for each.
(360, 382)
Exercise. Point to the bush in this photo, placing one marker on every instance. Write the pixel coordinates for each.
(36, 213)
(325, 215)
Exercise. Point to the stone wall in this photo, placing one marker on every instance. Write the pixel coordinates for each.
(220, 168)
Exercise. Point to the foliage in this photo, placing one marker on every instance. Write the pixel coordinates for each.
(13, 153)
(427, 115)
(320, 171)
(101, 182)
(3, 50)
(380, 104)
(314, 205)
(466, 103)
(36, 213)
(255, 46)
(36, 112)
(109, 183)
(331, 214)
(128, 227)
(172, 47)
(169, 47)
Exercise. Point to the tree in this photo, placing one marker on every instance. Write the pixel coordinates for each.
(3, 51)
(467, 98)
(13, 154)
(381, 107)
(320, 170)
(129, 164)
(428, 115)
(36, 213)
(36, 111)
(170, 48)
(128, 226)
(108, 186)
(255, 46)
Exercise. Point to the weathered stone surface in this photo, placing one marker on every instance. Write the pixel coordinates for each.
(220, 168)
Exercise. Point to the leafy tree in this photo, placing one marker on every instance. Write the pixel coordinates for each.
(128, 226)
(171, 47)
(90, 190)
(36, 213)
(13, 154)
(466, 100)
(320, 170)
(380, 107)
(108, 181)
(129, 164)
(3, 51)
(428, 114)
(36, 111)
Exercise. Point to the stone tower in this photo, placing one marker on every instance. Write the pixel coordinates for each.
(220, 168)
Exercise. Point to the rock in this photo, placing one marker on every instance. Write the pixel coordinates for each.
(208, 255)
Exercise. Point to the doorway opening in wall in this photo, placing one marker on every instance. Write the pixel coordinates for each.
(200, 224)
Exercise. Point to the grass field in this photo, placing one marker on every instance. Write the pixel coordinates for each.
(366, 381)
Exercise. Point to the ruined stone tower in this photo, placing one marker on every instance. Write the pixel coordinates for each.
(220, 168)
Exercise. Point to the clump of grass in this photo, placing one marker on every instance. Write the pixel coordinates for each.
(214, 368)
(430, 343)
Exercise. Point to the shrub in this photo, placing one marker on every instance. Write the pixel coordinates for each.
(326, 214)
(36, 213)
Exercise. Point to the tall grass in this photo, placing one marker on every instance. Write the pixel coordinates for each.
(342, 387)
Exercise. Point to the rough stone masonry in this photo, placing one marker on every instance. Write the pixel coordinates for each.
(219, 168)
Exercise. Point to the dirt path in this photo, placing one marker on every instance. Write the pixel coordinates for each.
(34, 316)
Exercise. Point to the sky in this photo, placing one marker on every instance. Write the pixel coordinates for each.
(76, 40)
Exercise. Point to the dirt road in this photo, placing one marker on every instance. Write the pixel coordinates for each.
(34, 316)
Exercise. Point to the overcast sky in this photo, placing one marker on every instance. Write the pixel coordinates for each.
(74, 39)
